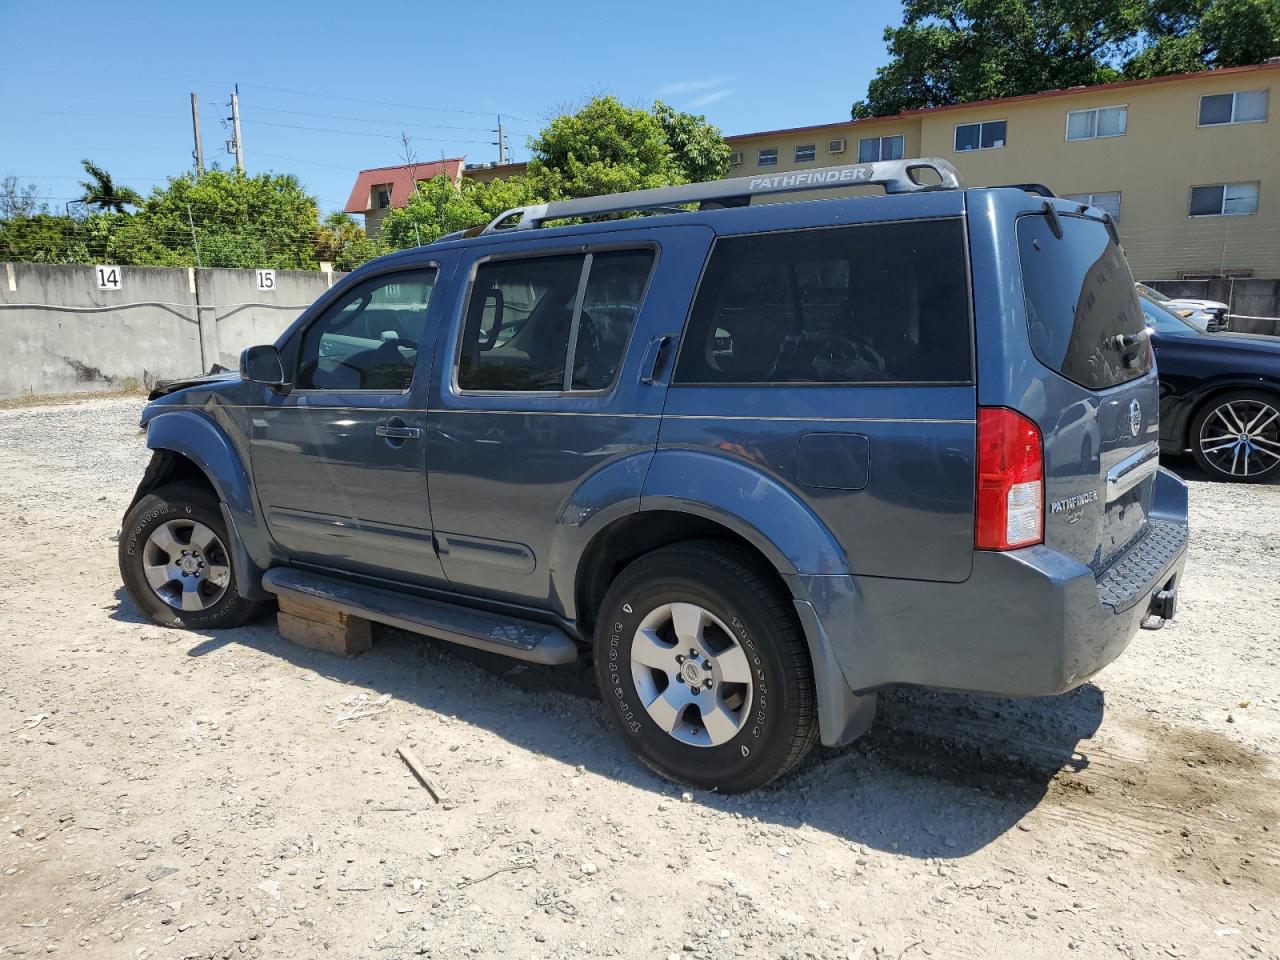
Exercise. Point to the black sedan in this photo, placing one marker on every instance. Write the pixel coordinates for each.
(1219, 396)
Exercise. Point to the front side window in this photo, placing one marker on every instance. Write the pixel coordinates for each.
(524, 314)
(988, 135)
(874, 303)
(871, 149)
(1109, 201)
(368, 339)
(767, 158)
(1244, 106)
(1094, 124)
(1224, 200)
(806, 153)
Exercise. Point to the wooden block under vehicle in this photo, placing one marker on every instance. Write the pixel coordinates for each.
(322, 628)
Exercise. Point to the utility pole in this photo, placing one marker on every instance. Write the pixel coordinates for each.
(238, 142)
(198, 153)
(502, 142)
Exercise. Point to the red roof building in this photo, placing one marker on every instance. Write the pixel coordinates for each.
(379, 189)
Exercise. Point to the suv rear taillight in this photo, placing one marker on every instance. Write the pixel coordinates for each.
(1009, 512)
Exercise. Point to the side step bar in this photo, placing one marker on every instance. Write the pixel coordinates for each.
(521, 639)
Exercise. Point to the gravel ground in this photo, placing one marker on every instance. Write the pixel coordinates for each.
(171, 794)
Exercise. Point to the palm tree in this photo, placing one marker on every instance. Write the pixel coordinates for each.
(101, 192)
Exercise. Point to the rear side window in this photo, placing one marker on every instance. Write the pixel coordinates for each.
(1081, 302)
(525, 315)
(874, 303)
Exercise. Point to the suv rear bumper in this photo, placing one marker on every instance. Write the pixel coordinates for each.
(1026, 623)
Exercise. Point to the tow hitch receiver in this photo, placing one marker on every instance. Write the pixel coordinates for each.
(1163, 606)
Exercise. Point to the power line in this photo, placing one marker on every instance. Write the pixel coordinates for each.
(357, 133)
(384, 103)
(397, 123)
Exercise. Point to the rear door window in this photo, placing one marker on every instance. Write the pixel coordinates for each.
(530, 320)
(873, 303)
(1083, 315)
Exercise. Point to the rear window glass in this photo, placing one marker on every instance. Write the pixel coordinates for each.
(1081, 300)
(874, 303)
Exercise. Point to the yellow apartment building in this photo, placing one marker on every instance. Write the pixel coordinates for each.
(1189, 165)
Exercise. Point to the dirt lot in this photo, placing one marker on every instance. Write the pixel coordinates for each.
(168, 794)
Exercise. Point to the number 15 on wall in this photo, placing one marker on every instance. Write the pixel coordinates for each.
(266, 279)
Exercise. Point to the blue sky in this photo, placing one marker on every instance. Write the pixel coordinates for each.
(327, 88)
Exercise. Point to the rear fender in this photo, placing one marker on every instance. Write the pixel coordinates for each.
(802, 550)
(750, 503)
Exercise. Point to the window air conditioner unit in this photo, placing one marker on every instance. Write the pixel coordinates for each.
(836, 146)
(735, 158)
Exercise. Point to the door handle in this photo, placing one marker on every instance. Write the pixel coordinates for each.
(394, 429)
(652, 358)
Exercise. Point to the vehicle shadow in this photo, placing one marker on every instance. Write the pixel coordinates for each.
(938, 775)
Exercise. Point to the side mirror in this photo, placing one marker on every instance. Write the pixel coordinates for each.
(262, 364)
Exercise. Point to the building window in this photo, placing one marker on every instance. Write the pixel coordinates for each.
(1094, 124)
(988, 135)
(807, 152)
(1224, 200)
(871, 149)
(1246, 106)
(382, 197)
(767, 158)
(1107, 202)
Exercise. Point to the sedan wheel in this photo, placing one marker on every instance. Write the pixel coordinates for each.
(1237, 437)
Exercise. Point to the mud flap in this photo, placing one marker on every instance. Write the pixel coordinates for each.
(843, 715)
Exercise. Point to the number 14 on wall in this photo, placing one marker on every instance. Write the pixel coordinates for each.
(109, 278)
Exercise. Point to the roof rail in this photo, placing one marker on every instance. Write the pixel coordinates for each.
(896, 176)
(1039, 189)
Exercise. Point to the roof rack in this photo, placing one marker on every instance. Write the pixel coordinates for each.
(896, 176)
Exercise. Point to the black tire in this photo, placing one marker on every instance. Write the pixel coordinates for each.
(1214, 463)
(181, 502)
(737, 589)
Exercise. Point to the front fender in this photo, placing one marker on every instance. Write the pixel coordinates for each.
(196, 437)
(750, 503)
(205, 444)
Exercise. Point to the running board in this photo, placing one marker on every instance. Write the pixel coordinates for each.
(520, 639)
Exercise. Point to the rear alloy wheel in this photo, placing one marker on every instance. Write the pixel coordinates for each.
(1237, 436)
(703, 667)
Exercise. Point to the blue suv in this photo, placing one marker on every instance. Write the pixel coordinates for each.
(755, 460)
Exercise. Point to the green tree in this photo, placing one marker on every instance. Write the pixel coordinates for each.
(439, 206)
(19, 201)
(699, 149)
(43, 238)
(605, 147)
(344, 243)
(227, 219)
(101, 192)
(956, 51)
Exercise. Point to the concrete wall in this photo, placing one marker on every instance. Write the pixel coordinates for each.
(63, 335)
(1255, 304)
